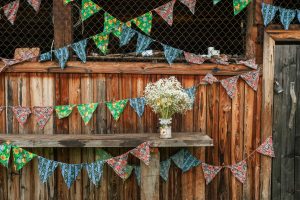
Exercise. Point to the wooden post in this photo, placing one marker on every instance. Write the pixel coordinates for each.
(150, 178)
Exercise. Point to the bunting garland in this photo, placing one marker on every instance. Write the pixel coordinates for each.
(191, 92)
(209, 78)
(112, 24)
(119, 165)
(89, 8)
(142, 152)
(70, 172)
(193, 58)
(144, 22)
(210, 172)
(171, 53)
(216, 1)
(166, 11)
(4, 154)
(143, 43)
(43, 115)
(239, 170)
(79, 48)
(286, 17)
(230, 85)
(45, 56)
(21, 157)
(10, 11)
(266, 148)
(62, 54)
(95, 171)
(126, 35)
(116, 108)
(252, 79)
(86, 111)
(21, 114)
(191, 4)
(164, 169)
(239, 5)
(268, 12)
(138, 104)
(35, 4)
(46, 168)
(64, 110)
(101, 40)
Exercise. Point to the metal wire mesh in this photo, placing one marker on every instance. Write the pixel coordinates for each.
(210, 26)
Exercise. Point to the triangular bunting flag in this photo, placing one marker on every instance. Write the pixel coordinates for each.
(62, 55)
(1, 109)
(116, 108)
(193, 58)
(137, 172)
(138, 104)
(43, 115)
(210, 172)
(142, 152)
(286, 17)
(46, 56)
(80, 49)
(164, 169)
(249, 63)
(191, 4)
(103, 155)
(126, 35)
(101, 40)
(21, 157)
(185, 160)
(144, 22)
(268, 12)
(88, 9)
(112, 24)
(216, 1)
(70, 172)
(171, 53)
(10, 62)
(252, 79)
(239, 170)
(67, 1)
(64, 110)
(191, 92)
(86, 111)
(10, 11)
(166, 11)
(46, 168)
(239, 5)
(209, 78)
(21, 114)
(143, 43)
(230, 85)
(266, 148)
(35, 4)
(5, 154)
(119, 165)
(95, 171)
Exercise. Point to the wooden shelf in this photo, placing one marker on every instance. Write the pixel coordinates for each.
(195, 139)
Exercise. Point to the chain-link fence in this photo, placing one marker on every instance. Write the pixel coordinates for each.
(210, 26)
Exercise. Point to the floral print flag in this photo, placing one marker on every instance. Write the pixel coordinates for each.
(46, 168)
(209, 78)
(210, 172)
(171, 53)
(101, 40)
(142, 152)
(70, 172)
(249, 63)
(239, 5)
(112, 24)
(10, 11)
(116, 108)
(95, 171)
(193, 58)
(46, 56)
(21, 157)
(164, 169)
(43, 115)
(21, 114)
(286, 17)
(239, 170)
(144, 22)
(86, 111)
(266, 148)
(230, 85)
(126, 35)
(143, 43)
(64, 110)
(62, 55)
(138, 104)
(252, 79)
(185, 160)
(190, 4)
(166, 11)
(35, 4)
(79, 48)
(5, 154)
(268, 12)
(119, 165)
(88, 9)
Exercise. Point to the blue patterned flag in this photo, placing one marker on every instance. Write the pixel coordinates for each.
(164, 169)
(79, 48)
(171, 53)
(185, 160)
(286, 17)
(298, 14)
(268, 12)
(138, 104)
(46, 56)
(95, 171)
(143, 43)
(191, 92)
(137, 172)
(70, 172)
(46, 168)
(126, 35)
(62, 55)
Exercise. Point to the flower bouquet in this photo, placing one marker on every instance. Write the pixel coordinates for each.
(167, 97)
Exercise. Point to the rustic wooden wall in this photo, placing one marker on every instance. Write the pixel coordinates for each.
(234, 126)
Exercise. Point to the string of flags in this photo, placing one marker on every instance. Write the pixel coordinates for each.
(44, 113)
(286, 15)
(183, 159)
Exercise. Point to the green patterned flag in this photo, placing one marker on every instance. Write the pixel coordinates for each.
(144, 22)
(116, 108)
(101, 40)
(103, 155)
(67, 1)
(88, 9)
(112, 24)
(64, 111)
(216, 1)
(21, 157)
(86, 111)
(5, 154)
(239, 5)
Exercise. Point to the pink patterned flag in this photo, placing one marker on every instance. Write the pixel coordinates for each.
(43, 115)
(35, 4)
(193, 58)
(1, 109)
(166, 11)
(210, 172)
(119, 165)
(10, 11)
(252, 79)
(249, 63)
(230, 85)
(21, 113)
(190, 4)
(239, 170)
(266, 148)
(209, 78)
(142, 152)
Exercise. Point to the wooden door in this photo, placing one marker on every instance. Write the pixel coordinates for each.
(286, 123)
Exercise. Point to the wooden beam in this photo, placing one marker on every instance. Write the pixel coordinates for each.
(284, 35)
(194, 139)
